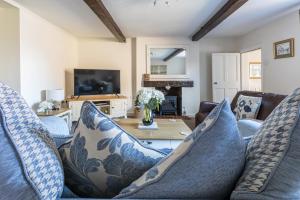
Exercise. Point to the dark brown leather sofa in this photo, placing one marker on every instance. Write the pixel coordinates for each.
(269, 102)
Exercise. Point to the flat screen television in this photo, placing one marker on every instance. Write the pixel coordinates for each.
(96, 82)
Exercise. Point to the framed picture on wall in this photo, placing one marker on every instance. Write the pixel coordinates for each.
(255, 70)
(284, 48)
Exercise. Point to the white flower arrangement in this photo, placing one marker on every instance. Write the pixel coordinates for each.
(45, 106)
(150, 98)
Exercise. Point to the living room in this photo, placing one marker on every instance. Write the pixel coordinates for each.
(50, 47)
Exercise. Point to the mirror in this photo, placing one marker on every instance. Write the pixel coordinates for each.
(167, 61)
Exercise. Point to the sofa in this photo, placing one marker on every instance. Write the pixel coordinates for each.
(32, 169)
(269, 102)
(247, 127)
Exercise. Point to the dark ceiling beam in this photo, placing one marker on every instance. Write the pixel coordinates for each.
(99, 9)
(173, 54)
(230, 7)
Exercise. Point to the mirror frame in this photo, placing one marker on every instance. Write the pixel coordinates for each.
(170, 76)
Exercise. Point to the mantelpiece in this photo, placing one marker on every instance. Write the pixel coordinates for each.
(168, 83)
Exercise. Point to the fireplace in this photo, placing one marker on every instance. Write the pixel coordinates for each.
(169, 106)
(173, 103)
(172, 90)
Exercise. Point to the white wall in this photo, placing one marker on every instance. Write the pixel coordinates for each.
(207, 46)
(106, 54)
(46, 52)
(10, 47)
(279, 75)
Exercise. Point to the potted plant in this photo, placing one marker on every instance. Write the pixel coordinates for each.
(149, 99)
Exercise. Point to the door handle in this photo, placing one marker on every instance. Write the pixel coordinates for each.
(215, 83)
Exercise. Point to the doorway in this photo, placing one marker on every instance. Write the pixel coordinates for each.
(251, 70)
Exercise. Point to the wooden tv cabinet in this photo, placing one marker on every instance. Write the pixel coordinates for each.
(112, 105)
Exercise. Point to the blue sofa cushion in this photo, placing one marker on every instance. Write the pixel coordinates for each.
(56, 126)
(102, 158)
(248, 127)
(205, 166)
(30, 165)
(58, 129)
(272, 168)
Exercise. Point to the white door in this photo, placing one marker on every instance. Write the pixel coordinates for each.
(226, 76)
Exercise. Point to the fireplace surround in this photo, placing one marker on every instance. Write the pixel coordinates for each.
(172, 90)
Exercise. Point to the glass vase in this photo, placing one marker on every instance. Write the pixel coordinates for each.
(148, 117)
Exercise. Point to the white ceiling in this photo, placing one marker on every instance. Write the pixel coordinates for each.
(138, 18)
(181, 18)
(72, 15)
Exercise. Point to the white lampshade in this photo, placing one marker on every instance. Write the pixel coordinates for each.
(55, 95)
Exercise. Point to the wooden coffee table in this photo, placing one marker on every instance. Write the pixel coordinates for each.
(170, 132)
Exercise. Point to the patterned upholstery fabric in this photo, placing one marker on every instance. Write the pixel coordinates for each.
(38, 156)
(273, 168)
(247, 107)
(204, 166)
(102, 158)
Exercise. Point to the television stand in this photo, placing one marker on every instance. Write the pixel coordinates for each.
(112, 105)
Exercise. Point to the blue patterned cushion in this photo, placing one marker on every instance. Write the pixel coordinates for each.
(35, 152)
(272, 168)
(247, 107)
(102, 158)
(205, 166)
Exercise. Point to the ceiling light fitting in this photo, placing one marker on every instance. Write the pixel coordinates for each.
(165, 2)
